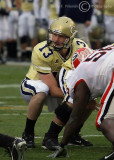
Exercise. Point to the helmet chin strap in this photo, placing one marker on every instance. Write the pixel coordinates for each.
(52, 47)
(57, 48)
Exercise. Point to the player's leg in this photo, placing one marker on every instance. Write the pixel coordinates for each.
(12, 38)
(23, 34)
(32, 35)
(62, 114)
(105, 118)
(109, 31)
(4, 31)
(35, 93)
(107, 128)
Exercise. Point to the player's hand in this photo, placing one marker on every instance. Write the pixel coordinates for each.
(60, 152)
(93, 105)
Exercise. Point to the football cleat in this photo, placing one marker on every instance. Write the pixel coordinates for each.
(29, 138)
(17, 150)
(50, 143)
(108, 157)
(79, 141)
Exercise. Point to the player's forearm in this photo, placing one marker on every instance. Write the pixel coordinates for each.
(56, 92)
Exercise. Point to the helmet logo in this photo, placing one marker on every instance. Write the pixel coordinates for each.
(73, 29)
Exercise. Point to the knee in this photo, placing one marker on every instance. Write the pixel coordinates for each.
(63, 112)
(107, 126)
(103, 126)
(40, 97)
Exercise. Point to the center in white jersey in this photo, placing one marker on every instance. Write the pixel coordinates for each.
(96, 71)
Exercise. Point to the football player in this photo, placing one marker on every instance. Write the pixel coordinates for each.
(41, 82)
(15, 146)
(12, 37)
(108, 18)
(5, 8)
(94, 77)
(51, 7)
(29, 10)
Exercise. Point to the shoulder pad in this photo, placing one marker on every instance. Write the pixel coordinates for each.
(79, 43)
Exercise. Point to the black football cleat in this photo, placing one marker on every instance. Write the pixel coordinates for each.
(29, 138)
(77, 140)
(50, 143)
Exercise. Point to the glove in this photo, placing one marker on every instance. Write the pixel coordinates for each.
(60, 152)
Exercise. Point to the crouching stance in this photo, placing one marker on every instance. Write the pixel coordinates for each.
(93, 77)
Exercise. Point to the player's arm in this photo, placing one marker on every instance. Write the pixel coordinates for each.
(50, 80)
(80, 112)
(78, 115)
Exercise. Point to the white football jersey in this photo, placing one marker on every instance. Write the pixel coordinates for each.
(96, 71)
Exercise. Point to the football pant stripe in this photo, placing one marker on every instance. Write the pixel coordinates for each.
(105, 101)
(27, 89)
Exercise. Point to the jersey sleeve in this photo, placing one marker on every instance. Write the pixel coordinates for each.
(41, 58)
(79, 43)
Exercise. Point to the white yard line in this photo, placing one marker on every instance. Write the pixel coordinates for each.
(10, 97)
(16, 114)
(10, 85)
(39, 137)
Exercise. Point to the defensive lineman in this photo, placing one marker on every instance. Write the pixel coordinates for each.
(92, 78)
(63, 111)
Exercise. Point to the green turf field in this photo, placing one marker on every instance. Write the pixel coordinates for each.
(13, 116)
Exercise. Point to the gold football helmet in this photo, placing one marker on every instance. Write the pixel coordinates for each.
(42, 34)
(62, 26)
